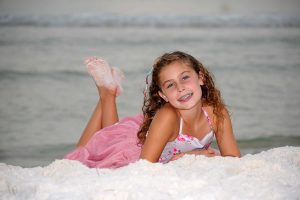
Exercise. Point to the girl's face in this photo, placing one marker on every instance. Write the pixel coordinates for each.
(180, 85)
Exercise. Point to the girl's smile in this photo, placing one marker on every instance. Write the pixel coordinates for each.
(185, 98)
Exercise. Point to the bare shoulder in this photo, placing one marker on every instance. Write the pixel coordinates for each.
(210, 111)
(167, 111)
(213, 117)
(166, 119)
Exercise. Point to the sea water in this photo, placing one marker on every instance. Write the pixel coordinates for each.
(46, 95)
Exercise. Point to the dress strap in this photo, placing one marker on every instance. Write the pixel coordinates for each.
(208, 119)
(180, 126)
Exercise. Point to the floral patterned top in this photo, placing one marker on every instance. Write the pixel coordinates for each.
(184, 143)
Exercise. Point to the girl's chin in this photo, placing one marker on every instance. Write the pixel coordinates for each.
(186, 105)
(183, 106)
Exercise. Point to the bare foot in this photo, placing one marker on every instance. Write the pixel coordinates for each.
(105, 93)
(104, 75)
(118, 77)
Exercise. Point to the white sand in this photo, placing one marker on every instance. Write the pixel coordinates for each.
(274, 174)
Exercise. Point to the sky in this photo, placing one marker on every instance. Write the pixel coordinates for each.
(151, 7)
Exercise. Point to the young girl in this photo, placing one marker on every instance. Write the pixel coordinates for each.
(183, 111)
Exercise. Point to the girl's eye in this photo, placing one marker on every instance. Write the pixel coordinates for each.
(185, 77)
(170, 85)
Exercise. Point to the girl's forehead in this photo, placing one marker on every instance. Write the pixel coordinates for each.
(174, 68)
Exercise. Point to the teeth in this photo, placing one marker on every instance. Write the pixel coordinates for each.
(184, 97)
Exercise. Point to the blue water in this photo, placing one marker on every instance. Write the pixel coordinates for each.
(47, 96)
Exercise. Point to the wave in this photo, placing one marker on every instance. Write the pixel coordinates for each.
(113, 20)
(15, 73)
(262, 143)
(12, 74)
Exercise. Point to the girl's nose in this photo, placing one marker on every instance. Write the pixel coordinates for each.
(180, 87)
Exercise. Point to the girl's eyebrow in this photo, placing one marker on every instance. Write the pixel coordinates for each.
(169, 80)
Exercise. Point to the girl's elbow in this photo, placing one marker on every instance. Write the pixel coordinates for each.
(231, 154)
(148, 158)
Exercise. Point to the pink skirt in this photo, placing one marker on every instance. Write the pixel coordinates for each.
(111, 147)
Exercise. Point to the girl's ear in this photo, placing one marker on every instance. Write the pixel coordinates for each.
(201, 78)
(163, 96)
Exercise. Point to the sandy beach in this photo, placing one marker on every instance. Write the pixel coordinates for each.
(273, 174)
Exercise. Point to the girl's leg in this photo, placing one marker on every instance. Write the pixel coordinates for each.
(93, 125)
(109, 107)
(105, 112)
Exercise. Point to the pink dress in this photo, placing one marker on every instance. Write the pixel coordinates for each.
(111, 147)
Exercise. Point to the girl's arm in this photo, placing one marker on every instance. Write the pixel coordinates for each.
(205, 152)
(160, 132)
(225, 138)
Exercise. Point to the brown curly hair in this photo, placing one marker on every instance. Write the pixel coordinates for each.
(153, 102)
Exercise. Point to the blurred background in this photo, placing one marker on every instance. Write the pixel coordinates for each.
(46, 97)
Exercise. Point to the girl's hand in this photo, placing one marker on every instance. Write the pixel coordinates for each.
(177, 156)
(206, 152)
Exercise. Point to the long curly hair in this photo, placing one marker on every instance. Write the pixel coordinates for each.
(211, 96)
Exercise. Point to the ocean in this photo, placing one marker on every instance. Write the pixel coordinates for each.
(46, 95)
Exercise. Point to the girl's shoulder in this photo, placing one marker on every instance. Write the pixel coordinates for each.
(166, 121)
(168, 111)
(209, 110)
(167, 114)
(213, 117)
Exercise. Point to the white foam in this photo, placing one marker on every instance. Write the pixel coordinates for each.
(273, 174)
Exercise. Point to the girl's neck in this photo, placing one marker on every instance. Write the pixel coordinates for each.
(193, 115)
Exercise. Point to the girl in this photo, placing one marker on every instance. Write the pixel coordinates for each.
(182, 112)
